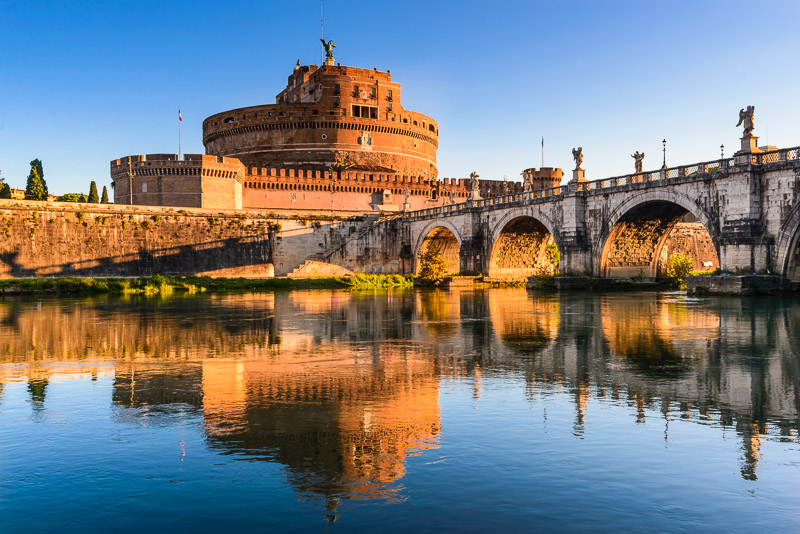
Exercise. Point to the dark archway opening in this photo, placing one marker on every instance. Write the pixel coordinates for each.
(642, 241)
(525, 247)
(448, 246)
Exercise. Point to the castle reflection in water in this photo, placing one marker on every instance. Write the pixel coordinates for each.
(342, 387)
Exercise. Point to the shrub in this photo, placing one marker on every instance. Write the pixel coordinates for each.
(433, 267)
(679, 266)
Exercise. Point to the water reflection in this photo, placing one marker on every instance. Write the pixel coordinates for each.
(342, 388)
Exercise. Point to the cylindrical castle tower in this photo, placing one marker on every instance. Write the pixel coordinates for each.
(330, 117)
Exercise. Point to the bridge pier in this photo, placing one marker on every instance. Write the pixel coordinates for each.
(575, 252)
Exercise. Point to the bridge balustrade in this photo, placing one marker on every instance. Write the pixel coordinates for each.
(695, 169)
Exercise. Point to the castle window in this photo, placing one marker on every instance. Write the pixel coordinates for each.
(389, 109)
(144, 187)
(430, 127)
(336, 89)
(229, 120)
(324, 136)
(405, 121)
(335, 103)
(269, 114)
(355, 90)
(367, 112)
(281, 114)
(374, 92)
(315, 112)
(389, 96)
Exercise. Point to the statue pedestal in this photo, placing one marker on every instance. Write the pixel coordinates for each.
(406, 206)
(475, 194)
(578, 175)
(329, 62)
(749, 145)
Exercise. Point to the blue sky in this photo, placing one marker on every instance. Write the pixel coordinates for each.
(82, 82)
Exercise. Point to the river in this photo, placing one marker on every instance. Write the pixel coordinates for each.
(462, 410)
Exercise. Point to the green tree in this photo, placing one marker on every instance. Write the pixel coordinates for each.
(93, 198)
(433, 267)
(679, 266)
(552, 253)
(69, 197)
(36, 188)
(5, 189)
(104, 198)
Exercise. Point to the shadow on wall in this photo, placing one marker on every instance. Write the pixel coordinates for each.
(244, 256)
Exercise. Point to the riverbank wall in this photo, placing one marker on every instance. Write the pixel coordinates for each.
(49, 239)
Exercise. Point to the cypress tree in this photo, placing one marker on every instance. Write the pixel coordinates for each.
(5, 189)
(93, 198)
(104, 198)
(36, 188)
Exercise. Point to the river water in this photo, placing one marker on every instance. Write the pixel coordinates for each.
(400, 411)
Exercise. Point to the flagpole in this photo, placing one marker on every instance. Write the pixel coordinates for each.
(180, 119)
(542, 151)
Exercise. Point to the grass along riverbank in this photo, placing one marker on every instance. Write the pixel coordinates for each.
(162, 285)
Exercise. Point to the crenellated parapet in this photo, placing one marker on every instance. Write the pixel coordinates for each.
(196, 180)
(539, 179)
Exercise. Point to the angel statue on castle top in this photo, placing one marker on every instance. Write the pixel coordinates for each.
(329, 46)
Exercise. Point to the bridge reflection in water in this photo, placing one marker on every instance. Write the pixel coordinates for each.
(342, 388)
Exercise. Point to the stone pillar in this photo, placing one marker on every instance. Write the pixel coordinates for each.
(471, 254)
(744, 245)
(575, 254)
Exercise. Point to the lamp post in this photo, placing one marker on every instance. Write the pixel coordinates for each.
(721, 151)
(664, 143)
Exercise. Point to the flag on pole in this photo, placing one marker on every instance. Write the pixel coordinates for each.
(180, 119)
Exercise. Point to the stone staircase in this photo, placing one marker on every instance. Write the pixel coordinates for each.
(314, 262)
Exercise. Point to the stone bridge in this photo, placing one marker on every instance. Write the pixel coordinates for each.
(617, 227)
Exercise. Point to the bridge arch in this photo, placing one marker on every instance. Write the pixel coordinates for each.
(447, 239)
(787, 246)
(519, 240)
(635, 234)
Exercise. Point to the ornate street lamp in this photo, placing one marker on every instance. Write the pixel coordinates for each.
(664, 143)
(721, 151)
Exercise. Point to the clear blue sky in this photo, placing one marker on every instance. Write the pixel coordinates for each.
(82, 82)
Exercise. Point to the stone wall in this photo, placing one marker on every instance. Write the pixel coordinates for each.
(66, 239)
(691, 238)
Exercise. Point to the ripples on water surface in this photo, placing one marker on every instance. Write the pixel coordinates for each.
(460, 410)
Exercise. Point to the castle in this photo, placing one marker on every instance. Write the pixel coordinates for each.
(337, 138)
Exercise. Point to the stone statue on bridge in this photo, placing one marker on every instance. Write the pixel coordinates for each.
(746, 119)
(577, 155)
(638, 157)
(474, 186)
